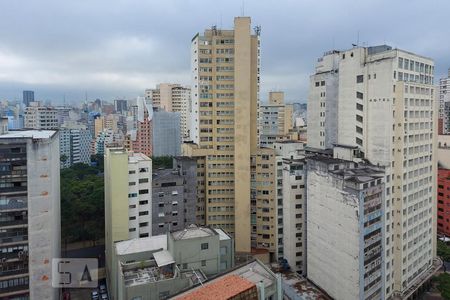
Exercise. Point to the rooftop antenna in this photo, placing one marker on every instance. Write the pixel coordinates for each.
(243, 7)
(357, 39)
(220, 24)
(64, 101)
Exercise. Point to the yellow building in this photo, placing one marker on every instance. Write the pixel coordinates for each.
(225, 96)
(128, 185)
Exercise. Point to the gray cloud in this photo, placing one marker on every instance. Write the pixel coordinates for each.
(118, 48)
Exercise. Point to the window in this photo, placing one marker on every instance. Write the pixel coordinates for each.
(359, 95)
(143, 213)
(143, 180)
(143, 192)
(143, 202)
(359, 78)
(203, 263)
(204, 246)
(132, 229)
(143, 224)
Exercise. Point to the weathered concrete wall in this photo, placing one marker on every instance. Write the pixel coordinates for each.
(332, 237)
(44, 236)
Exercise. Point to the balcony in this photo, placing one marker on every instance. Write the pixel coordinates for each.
(4, 273)
(10, 289)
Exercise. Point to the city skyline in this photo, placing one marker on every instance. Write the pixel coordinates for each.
(123, 50)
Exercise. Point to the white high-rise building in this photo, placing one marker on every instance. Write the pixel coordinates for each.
(444, 104)
(74, 144)
(30, 224)
(381, 100)
(40, 117)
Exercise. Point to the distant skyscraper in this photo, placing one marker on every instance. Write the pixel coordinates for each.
(382, 101)
(120, 105)
(75, 143)
(41, 117)
(444, 105)
(28, 97)
(29, 213)
(141, 137)
(275, 120)
(173, 98)
(166, 137)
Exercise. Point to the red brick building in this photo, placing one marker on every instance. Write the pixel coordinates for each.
(443, 220)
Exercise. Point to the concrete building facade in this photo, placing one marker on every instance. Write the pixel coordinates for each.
(74, 144)
(128, 190)
(444, 104)
(173, 98)
(225, 97)
(288, 202)
(275, 120)
(361, 85)
(160, 266)
(173, 202)
(40, 117)
(29, 213)
(345, 224)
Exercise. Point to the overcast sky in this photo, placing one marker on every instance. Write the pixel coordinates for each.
(117, 48)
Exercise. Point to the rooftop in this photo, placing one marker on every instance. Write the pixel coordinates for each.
(142, 275)
(152, 243)
(29, 134)
(193, 231)
(224, 288)
(136, 157)
(253, 272)
(222, 234)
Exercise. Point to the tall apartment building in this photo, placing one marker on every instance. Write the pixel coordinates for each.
(263, 206)
(289, 201)
(225, 97)
(381, 100)
(28, 97)
(120, 106)
(174, 196)
(40, 117)
(444, 105)
(275, 120)
(345, 228)
(128, 190)
(29, 213)
(74, 144)
(294, 212)
(173, 98)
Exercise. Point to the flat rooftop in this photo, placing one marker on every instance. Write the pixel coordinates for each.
(144, 275)
(28, 134)
(136, 157)
(138, 245)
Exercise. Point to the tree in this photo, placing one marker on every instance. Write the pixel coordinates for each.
(443, 250)
(82, 203)
(443, 284)
(165, 162)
